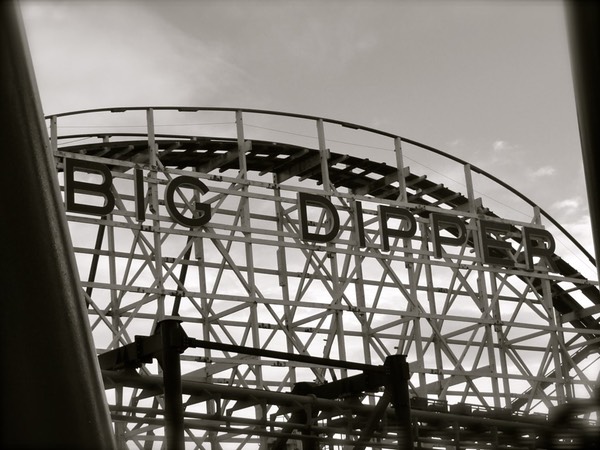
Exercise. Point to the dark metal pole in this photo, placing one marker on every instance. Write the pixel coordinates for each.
(51, 392)
(173, 344)
(397, 384)
(584, 36)
(374, 421)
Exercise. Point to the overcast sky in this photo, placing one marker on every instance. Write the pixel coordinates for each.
(488, 81)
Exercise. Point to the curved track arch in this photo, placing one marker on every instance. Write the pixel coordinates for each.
(486, 340)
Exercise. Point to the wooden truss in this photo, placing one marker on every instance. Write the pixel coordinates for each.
(483, 343)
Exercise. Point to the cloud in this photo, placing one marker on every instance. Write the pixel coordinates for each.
(544, 171)
(458, 142)
(579, 226)
(502, 146)
(120, 54)
(345, 39)
(567, 205)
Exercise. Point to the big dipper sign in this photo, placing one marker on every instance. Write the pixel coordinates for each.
(537, 243)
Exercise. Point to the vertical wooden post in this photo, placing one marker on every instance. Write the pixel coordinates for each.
(402, 197)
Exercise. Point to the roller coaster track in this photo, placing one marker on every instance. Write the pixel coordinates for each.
(361, 176)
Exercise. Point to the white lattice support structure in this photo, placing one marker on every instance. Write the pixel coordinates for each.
(499, 337)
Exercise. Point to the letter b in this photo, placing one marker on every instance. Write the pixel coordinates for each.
(73, 186)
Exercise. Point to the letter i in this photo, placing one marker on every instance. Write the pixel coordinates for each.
(359, 226)
(140, 197)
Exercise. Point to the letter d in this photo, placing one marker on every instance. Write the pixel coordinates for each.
(321, 202)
